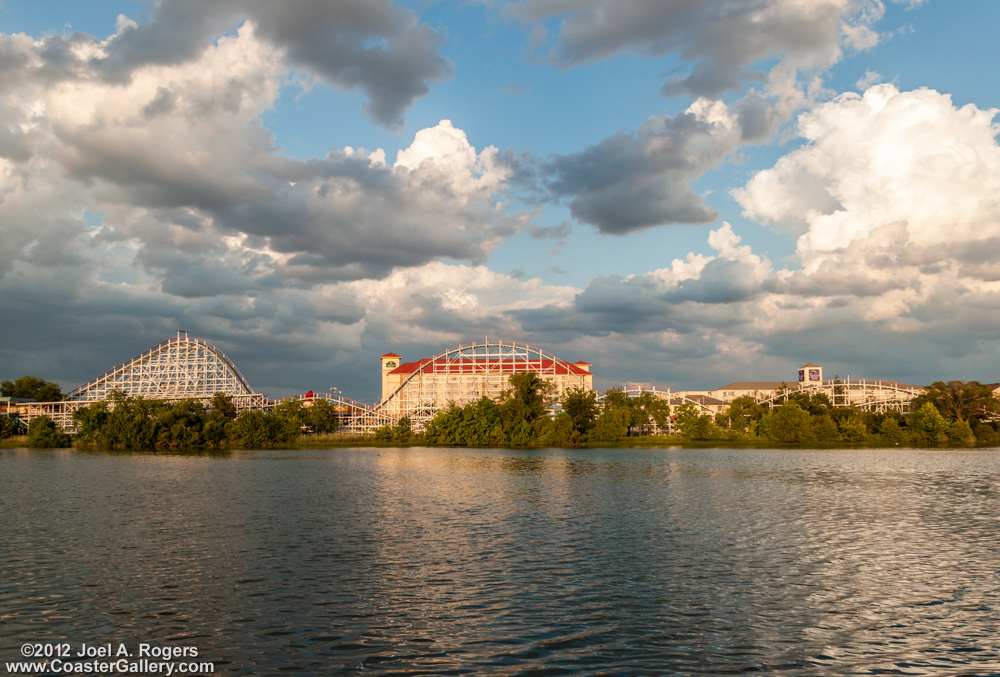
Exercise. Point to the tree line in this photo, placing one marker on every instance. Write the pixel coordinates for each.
(959, 413)
(124, 422)
(956, 412)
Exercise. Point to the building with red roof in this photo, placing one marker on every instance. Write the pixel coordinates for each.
(469, 371)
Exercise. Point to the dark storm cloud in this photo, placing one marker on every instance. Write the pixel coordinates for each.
(629, 182)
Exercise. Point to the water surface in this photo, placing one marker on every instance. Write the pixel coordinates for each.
(500, 562)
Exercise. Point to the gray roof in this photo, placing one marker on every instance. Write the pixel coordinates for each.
(758, 385)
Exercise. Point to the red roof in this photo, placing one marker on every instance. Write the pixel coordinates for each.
(390, 355)
(482, 366)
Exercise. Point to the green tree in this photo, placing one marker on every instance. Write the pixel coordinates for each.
(969, 401)
(522, 433)
(7, 426)
(126, 421)
(289, 410)
(817, 404)
(853, 429)
(559, 432)
(986, 434)
(444, 427)
(221, 410)
(91, 422)
(581, 407)
(32, 388)
(637, 412)
(684, 415)
(611, 425)
(287, 420)
(700, 427)
(787, 423)
(961, 432)
(181, 424)
(401, 432)
(652, 408)
(481, 424)
(527, 397)
(320, 417)
(826, 430)
(43, 433)
(742, 415)
(892, 432)
(927, 426)
(254, 429)
(222, 406)
(404, 430)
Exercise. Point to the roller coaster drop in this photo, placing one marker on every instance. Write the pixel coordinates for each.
(178, 368)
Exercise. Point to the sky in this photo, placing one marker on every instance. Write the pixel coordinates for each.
(683, 193)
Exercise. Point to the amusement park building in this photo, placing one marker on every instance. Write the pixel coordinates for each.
(185, 367)
(468, 372)
(866, 394)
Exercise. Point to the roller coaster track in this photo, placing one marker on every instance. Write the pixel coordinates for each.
(876, 396)
(673, 398)
(177, 368)
(468, 371)
(181, 367)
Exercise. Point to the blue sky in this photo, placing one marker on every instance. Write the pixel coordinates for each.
(683, 194)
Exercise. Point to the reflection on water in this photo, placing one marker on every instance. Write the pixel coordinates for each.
(443, 561)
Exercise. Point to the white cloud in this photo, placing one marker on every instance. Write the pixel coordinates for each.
(177, 160)
(443, 153)
(870, 78)
(882, 158)
(894, 199)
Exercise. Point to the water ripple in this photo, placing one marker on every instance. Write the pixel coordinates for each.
(490, 562)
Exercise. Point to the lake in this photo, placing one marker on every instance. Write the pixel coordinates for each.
(511, 562)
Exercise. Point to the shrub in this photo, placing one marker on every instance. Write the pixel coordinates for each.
(44, 433)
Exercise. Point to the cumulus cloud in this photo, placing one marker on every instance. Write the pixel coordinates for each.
(882, 158)
(689, 294)
(723, 40)
(177, 160)
(633, 181)
(131, 206)
(371, 45)
(629, 182)
(141, 193)
(892, 199)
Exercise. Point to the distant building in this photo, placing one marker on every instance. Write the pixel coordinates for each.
(13, 408)
(468, 372)
(706, 403)
(758, 390)
(867, 394)
(810, 374)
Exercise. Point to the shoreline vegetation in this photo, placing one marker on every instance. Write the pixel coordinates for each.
(953, 414)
